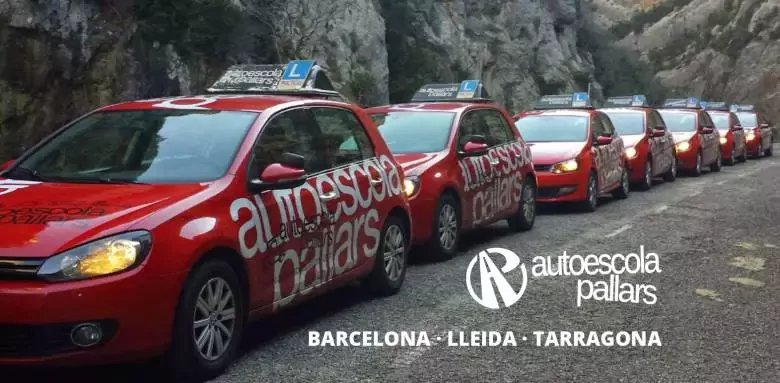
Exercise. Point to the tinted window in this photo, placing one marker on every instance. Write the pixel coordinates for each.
(656, 120)
(498, 129)
(627, 123)
(344, 138)
(678, 121)
(553, 128)
(748, 119)
(705, 120)
(148, 146)
(294, 132)
(721, 120)
(597, 128)
(415, 132)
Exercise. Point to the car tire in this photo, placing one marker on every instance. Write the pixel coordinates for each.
(446, 224)
(186, 359)
(624, 189)
(769, 152)
(733, 158)
(647, 176)
(671, 174)
(591, 202)
(760, 151)
(696, 171)
(524, 218)
(390, 264)
(717, 165)
(744, 156)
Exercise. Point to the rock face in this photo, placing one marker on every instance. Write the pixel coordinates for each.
(714, 49)
(60, 59)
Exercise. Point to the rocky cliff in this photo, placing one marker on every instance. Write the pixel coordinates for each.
(714, 49)
(59, 59)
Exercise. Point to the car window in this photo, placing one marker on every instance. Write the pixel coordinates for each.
(748, 119)
(414, 131)
(344, 137)
(658, 120)
(291, 131)
(627, 122)
(679, 121)
(471, 124)
(552, 128)
(609, 129)
(720, 120)
(498, 129)
(705, 120)
(597, 127)
(733, 119)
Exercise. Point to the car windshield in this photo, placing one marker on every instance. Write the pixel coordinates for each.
(627, 122)
(140, 146)
(679, 121)
(415, 132)
(721, 120)
(748, 119)
(543, 128)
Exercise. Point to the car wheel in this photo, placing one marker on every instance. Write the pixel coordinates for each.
(209, 322)
(697, 168)
(744, 156)
(769, 151)
(760, 151)
(524, 218)
(733, 157)
(647, 178)
(445, 232)
(591, 202)
(671, 174)
(622, 191)
(389, 270)
(717, 165)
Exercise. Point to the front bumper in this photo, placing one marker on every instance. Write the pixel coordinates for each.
(636, 167)
(687, 160)
(567, 187)
(422, 209)
(136, 312)
(753, 146)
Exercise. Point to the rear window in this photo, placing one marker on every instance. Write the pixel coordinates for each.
(627, 122)
(748, 119)
(415, 132)
(679, 121)
(553, 128)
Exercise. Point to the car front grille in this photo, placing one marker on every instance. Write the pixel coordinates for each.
(543, 168)
(19, 268)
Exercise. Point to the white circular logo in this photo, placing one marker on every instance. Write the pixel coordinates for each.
(490, 274)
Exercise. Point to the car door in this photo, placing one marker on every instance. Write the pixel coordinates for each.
(663, 154)
(506, 152)
(614, 150)
(738, 135)
(478, 172)
(709, 142)
(280, 224)
(600, 153)
(766, 130)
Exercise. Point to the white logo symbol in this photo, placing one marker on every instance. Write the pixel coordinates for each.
(8, 186)
(490, 273)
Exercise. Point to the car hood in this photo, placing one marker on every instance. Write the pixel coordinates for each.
(631, 139)
(42, 219)
(682, 136)
(417, 163)
(548, 153)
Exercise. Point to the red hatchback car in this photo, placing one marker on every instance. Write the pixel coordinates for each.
(465, 165)
(697, 141)
(649, 146)
(577, 153)
(733, 146)
(164, 225)
(758, 130)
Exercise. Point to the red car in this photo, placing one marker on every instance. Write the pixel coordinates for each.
(577, 153)
(733, 146)
(465, 165)
(758, 130)
(649, 146)
(164, 225)
(696, 139)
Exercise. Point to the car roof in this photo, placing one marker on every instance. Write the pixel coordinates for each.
(680, 110)
(237, 102)
(625, 109)
(429, 106)
(560, 112)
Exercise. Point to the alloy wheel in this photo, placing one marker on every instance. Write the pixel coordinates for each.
(214, 319)
(529, 203)
(448, 226)
(394, 252)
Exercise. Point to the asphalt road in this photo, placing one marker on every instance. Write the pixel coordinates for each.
(713, 328)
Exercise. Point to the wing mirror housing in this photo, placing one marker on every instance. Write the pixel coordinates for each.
(6, 165)
(707, 130)
(603, 140)
(475, 145)
(737, 127)
(764, 126)
(288, 173)
(658, 133)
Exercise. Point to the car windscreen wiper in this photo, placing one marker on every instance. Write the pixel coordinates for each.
(33, 175)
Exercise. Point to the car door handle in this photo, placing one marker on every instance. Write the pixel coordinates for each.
(375, 181)
(328, 196)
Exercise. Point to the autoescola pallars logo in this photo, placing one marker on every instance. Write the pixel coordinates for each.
(604, 285)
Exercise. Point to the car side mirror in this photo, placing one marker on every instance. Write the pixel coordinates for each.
(659, 133)
(660, 127)
(288, 173)
(737, 127)
(603, 140)
(707, 130)
(475, 144)
(764, 126)
(6, 165)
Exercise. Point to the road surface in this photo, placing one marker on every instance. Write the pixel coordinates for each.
(717, 309)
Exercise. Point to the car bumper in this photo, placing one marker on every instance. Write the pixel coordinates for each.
(422, 209)
(753, 145)
(687, 159)
(725, 149)
(562, 187)
(636, 166)
(135, 312)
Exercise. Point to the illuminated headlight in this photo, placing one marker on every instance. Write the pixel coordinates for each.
(411, 185)
(723, 140)
(630, 153)
(565, 166)
(750, 136)
(105, 256)
(683, 146)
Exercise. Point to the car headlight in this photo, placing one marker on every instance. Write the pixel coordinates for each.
(723, 140)
(565, 166)
(411, 185)
(750, 136)
(630, 153)
(103, 257)
(683, 146)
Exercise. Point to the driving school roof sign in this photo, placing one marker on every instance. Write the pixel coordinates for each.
(564, 101)
(685, 103)
(714, 105)
(296, 77)
(466, 90)
(249, 77)
(743, 108)
(636, 101)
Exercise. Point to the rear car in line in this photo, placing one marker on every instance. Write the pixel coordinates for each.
(697, 142)
(758, 130)
(733, 146)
